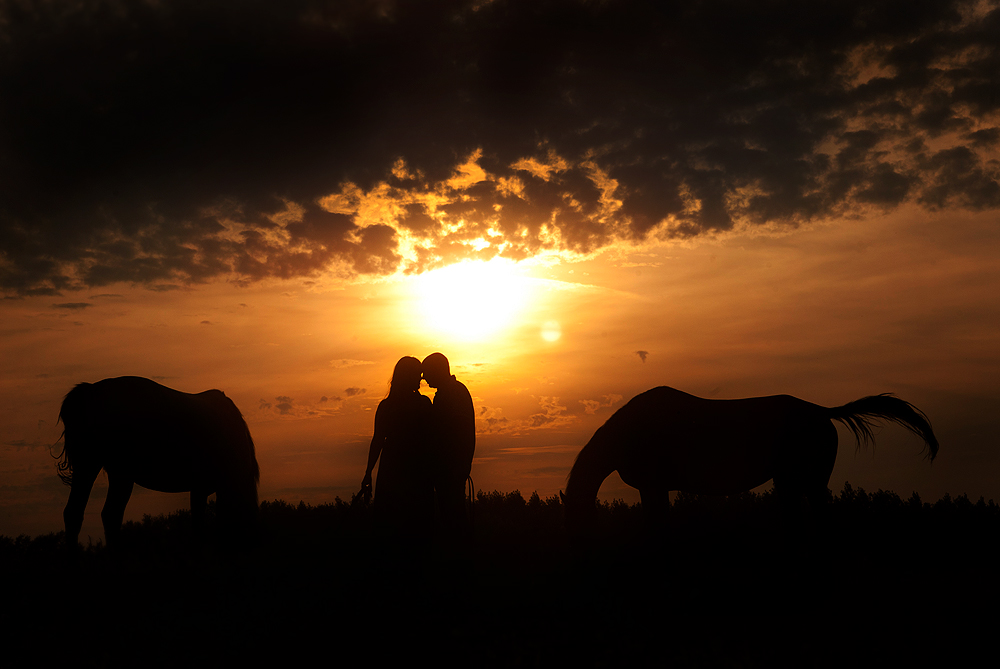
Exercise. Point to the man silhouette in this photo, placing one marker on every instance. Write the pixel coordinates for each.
(452, 442)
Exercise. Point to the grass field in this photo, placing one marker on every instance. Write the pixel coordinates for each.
(881, 581)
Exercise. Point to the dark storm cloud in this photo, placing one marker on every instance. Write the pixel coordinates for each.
(176, 142)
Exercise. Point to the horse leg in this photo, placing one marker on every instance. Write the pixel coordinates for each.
(804, 503)
(818, 497)
(790, 500)
(802, 487)
(802, 480)
(119, 492)
(655, 508)
(655, 511)
(83, 483)
(199, 503)
(818, 493)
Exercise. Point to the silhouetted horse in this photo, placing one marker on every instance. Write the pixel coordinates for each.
(162, 439)
(665, 439)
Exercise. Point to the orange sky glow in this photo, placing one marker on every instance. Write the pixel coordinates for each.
(574, 202)
(828, 313)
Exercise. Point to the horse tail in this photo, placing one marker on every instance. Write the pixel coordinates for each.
(72, 411)
(858, 417)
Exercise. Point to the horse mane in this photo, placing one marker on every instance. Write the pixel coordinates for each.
(70, 412)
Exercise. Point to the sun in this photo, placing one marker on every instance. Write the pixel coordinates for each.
(472, 300)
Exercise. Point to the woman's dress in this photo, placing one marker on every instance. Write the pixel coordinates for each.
(404, 493)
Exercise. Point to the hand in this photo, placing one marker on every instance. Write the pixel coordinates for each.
(366, 488)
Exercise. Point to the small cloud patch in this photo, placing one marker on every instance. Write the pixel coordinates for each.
(22, 444)
(341, 364)
(591, 406)
(284, 404)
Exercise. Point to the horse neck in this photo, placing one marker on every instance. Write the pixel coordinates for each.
(592, 466)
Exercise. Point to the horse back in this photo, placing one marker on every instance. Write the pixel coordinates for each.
(707, 445)
(163, 438)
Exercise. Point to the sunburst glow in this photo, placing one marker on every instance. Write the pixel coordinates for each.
(472, 300)
(551, 331)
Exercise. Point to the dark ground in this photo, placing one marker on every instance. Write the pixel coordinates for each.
(881, 582)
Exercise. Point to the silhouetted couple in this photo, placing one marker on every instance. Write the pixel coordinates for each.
(426, 449)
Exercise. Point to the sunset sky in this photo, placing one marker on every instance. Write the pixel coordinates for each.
(574, 201)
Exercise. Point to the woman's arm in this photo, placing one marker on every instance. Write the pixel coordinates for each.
(378, 440)
(373, 452)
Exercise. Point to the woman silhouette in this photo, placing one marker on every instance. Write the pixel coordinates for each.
(404, 497)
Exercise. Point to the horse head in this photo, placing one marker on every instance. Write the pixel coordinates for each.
(580, 515)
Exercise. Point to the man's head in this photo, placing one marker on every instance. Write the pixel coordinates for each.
(436, 369)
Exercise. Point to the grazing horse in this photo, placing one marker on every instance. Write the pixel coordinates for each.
(665, 439)
(139, 431)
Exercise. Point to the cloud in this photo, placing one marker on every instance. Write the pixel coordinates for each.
(642, 355)
(552, 415)
(341, 364)
(284, 405)
(170, 144)
(72, 306)
(353, 391)
(21, 444)
(591, 406)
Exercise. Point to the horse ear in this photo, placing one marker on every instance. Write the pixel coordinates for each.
(562, 497)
